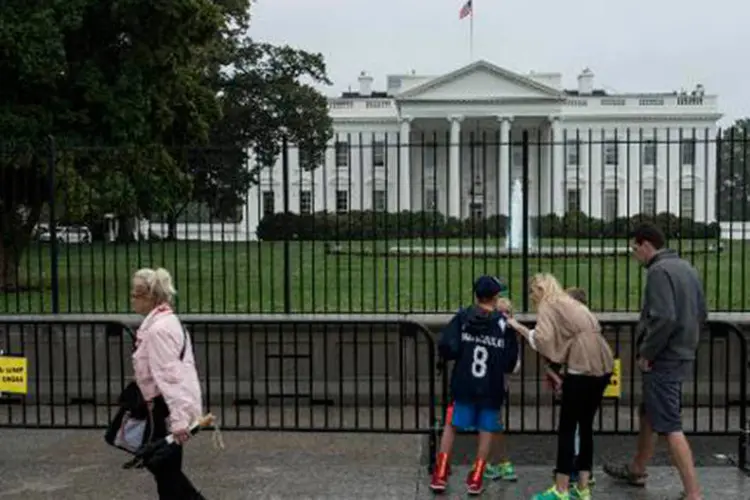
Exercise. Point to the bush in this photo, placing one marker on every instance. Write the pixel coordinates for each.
(368, 225)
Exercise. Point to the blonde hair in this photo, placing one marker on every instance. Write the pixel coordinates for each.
(158, 283)
(504, 304)
(545, 287)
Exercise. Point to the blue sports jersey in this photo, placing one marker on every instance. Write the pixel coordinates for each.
(484, 348)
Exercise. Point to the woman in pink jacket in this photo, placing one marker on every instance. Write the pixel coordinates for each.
(164, 369)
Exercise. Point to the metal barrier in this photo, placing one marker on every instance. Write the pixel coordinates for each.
(338, 373)
(315, 374)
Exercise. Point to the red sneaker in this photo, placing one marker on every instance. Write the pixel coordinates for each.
(439, 483)
(474, 485)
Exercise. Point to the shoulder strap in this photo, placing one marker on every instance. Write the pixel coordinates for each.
(184, 341)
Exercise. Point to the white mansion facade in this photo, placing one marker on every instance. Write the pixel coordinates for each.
(603, 153)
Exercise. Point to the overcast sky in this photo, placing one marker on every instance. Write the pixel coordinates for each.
(634, 46)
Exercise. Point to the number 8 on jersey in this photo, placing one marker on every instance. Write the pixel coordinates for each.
(479, 362)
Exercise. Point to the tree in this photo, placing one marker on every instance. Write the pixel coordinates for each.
(734, 172)
(264, 99)
(132, 91)
(98, 74)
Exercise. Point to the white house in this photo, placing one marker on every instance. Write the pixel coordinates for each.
(454, 143)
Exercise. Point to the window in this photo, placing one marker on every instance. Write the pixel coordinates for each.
(648, 152)
(429, 152)
(648, 201)
(517, 156)
(610, 204)
(305, 202)
(342, 201)
(379, 200)
(378, 154)
(687, 151)
(573, 200)
(269, 203)
(306, 159)
(342, 154)
(572, 153)
(687, 202)
(476, 210)
(430, 200)
(609, 149)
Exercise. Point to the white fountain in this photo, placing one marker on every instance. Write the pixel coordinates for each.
(514, 235)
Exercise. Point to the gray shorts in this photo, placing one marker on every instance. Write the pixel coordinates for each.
(662, 402)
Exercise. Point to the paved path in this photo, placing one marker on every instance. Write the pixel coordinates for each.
(64, 465)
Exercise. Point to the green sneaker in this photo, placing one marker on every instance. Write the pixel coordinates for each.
(578, 494)
(551, 494)
(504, 471)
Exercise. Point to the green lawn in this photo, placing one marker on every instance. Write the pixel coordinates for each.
(249, 277)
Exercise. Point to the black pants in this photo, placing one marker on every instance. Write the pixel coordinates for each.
(581, 397)
(171, 482)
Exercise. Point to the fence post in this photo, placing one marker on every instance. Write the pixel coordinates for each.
(53, 247)
(287, 263)
(525, 220)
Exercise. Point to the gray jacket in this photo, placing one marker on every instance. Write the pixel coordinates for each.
(674, 310)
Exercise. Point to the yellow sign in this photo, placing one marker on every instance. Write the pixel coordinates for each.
(614, 389)
(13, 375)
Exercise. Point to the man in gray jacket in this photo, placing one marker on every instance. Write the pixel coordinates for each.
(674, 311)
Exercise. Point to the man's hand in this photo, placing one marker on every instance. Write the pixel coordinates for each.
(644, 364)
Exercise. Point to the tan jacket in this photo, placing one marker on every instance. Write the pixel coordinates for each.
(567, 332)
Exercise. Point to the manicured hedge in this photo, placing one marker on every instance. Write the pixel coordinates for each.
(367, 225)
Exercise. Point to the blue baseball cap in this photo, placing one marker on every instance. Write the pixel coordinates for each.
(487, 287)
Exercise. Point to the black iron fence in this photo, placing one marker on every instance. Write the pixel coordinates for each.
(376, 223)
(329, 373)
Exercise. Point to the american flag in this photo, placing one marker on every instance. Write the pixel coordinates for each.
(465, 10)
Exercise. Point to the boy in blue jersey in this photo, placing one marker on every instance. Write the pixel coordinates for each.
(484, 349)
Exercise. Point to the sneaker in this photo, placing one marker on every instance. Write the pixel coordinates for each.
(474, 484)
(623, 473)
(439, 483)
(551, 494)
(504, 471)
(580, 494)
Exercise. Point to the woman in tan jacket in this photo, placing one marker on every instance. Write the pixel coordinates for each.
(568, 333)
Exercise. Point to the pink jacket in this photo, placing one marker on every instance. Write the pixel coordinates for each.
(158, 369)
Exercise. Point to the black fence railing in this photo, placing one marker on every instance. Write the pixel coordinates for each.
(377, 223)
(330, 373)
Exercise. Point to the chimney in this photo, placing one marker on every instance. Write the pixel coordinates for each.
(365, 84)
(586, 82)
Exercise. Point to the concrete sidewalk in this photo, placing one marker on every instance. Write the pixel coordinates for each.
(64, 465)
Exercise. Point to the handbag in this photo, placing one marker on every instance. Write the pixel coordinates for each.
(136, 422)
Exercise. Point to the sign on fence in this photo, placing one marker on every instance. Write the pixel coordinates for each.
(13, 375)
(614, 389)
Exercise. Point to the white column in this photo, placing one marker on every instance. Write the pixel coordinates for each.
(503, 181)
(252, 212)
(709, 172)
(404, 180)
(557, 175)
(454, 168)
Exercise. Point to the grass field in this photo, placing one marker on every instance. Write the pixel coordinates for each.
(250, 277)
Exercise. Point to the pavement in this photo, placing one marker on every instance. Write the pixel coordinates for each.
(76, 464)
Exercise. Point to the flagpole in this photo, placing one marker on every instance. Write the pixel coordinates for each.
(471, 34)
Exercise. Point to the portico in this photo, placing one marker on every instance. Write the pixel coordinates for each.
(465, 166)
(465, 131)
